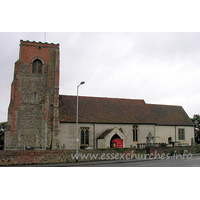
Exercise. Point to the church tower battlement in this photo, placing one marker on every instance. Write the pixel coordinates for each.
(33, 113)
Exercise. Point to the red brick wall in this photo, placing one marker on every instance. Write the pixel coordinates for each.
(29, 50)
(57, 156)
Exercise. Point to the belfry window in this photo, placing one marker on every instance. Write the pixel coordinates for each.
(37, 67)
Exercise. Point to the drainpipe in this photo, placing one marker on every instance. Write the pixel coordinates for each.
(175, 133)
(93, 136)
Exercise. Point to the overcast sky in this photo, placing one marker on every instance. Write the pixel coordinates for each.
(161, 68)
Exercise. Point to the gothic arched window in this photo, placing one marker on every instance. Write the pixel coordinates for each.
(37, 67)
(85, 135)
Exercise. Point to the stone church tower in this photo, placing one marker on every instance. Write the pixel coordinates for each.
(33, 113)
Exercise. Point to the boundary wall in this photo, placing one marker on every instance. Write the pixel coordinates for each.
(14, 157)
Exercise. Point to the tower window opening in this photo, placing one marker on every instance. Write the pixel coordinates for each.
(34, 96)
(37, 67)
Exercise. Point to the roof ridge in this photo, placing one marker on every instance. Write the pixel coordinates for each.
(104, 97)
(153, 104)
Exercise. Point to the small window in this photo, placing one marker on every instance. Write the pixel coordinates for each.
(135, 133)
(37, 67)
(34, 96)
(85, 135)
(181, 134)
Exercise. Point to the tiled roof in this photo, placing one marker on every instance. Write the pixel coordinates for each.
(120, 111)
(104, 110)
(170, 115)
(105, 133)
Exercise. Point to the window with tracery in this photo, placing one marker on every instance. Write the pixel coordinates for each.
(85, 135)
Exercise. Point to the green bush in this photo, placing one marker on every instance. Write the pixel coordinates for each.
(172, 152)
(182, 151)
(163, 144)
(198, 148)
(83, 146)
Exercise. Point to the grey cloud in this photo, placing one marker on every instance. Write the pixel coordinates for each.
(157, 67)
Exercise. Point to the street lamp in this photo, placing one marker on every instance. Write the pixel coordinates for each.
(77, 123)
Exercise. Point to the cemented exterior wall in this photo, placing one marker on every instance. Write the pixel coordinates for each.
(68, 134)
(160, 134)
(164, 132)
(144, 131)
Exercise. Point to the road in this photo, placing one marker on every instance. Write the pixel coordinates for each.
(192, 162)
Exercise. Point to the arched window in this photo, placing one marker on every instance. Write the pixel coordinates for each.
(85, 135)
(37, 67)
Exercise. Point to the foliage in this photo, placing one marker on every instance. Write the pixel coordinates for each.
(182, 150)
(173, 143)
(2, 132)
(163, 144)
(196, 121)
(172, 152)
(197, 148)
(57, 145)
(83, 146)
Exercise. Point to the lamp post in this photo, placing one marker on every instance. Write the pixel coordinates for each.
(77, 123)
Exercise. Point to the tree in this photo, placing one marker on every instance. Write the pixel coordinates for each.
(196, 121)
(2, 132)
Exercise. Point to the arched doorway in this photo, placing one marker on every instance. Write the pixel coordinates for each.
(169, 140)
(116, 142)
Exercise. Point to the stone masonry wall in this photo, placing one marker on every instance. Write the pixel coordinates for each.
(33, 109)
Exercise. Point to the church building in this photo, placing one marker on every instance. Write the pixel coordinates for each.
(40, 118)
